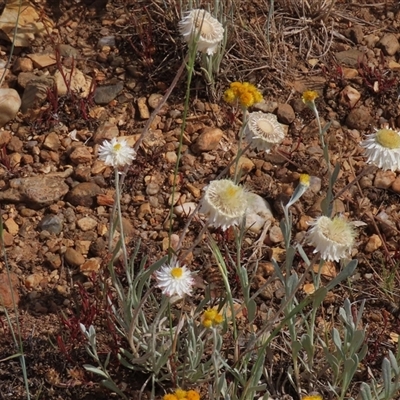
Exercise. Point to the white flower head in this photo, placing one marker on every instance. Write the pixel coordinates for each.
(224, 203)
(174, 280)
(332, 238)
(116, 153)
(263, 131)
(201, 24)
(382, 148)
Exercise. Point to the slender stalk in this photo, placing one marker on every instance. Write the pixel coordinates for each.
(190, 68)
(121, 225)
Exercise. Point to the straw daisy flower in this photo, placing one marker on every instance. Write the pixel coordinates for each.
(201, 24)
(174, 280)
(263, 131)
(382, 148)
(332, 238)
(224, 203)
(116, 153)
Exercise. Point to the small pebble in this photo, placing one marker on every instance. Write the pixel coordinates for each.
(373, 243)
(152, 188)
(171, 157)
(384, 179)
(73, 257)
(86, 224)
(51, 223)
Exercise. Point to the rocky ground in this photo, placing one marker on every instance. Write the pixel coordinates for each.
(96, 72)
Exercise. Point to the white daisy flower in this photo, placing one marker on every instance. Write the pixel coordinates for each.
(173, 280)
(224, 203)
(210, 35)
(332, 238)
(116, 153)
(263, 131)
(383, 149)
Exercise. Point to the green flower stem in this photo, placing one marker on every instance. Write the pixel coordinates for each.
(215, 357)
(236, 178)
(121, 227)
(190, 68)
(325, 209)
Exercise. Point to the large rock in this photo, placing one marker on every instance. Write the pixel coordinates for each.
(10, 103)
(77, 82)
(208, 140)
(37, 191)
(359, 118)
(389, 44)
(36, 92)
(83, 194)
(258, 213)
(105, 94)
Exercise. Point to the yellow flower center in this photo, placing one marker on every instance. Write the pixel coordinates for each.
(388, 138)
(206, 27)
(117, 146)
(177, 272)
(309, 96)
(305, 179)
(337, 230)
(265, 126)
(229, 194)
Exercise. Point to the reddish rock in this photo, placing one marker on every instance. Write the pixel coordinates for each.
(7, 291)
(208, 140)
(81, 155)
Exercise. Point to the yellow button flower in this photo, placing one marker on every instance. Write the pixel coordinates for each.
(170, 397)
(309, 96)
(180, 394)
(211, 318)
(192, 395)
(245, 93)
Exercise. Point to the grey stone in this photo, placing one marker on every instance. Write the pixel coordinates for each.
(106, 41)
(350, 57)
(35, 92)
(105, 94)
(51, 223)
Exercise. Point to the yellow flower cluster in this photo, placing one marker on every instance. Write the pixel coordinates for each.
(245, 93)
(181, 394)
(309, 96)
(315, 396)
(212, 318)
